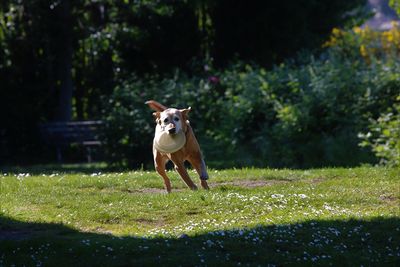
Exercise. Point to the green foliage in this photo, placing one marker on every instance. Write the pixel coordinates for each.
(384, 136)
(92, 47)
(377, 48)
(294, 115)
(366, 44)
(108, 40)
(395, 4)
(127, 128)
(299, 114)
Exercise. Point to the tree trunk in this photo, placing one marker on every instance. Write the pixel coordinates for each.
(65, 62)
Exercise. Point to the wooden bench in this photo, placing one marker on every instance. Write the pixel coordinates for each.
(63, 134)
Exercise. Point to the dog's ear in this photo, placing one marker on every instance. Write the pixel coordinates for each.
(185, 118)
(185, 121)
(154, 105)
(185, 112)
(157, 116)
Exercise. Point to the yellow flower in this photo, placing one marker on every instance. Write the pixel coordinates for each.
(363, 51)
(389, 36)
(357, 30)
(336, 31)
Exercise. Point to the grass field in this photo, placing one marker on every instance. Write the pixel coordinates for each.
(250, 217)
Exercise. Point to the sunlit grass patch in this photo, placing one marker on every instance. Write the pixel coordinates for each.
(322, 216)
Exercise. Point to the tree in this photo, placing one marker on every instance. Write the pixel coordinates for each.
(267, 32)
(60, 59)
(64, 66)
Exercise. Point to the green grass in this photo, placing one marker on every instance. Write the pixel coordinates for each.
(250, 217)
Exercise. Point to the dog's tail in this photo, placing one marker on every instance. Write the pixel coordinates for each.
(154, 105)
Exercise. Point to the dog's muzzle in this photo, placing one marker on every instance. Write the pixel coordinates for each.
(170, 128)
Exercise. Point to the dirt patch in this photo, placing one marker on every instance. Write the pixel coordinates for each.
(317, 180)
(149, 222)
(249, 183)
(149, 190)
(389, 198)
(236, 183)
(144, 221)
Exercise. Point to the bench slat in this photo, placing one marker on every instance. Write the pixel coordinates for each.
(61, 133)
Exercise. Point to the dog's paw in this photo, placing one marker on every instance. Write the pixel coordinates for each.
(204, 184)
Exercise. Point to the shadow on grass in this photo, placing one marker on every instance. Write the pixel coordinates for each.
(348, 243)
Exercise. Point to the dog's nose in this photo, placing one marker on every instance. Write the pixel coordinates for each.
(172, 131)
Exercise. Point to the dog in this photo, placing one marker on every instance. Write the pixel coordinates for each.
(174, 140)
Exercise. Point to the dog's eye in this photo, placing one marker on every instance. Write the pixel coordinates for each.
(176, 119)
(166, 120)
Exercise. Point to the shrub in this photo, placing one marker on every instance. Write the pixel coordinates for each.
(384, 136)
(296, 115)
(368, 44)
(129, 125)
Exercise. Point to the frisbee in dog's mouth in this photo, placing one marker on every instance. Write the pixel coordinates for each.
(169, 143)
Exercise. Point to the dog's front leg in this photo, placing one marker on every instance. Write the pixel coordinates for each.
(159, 164)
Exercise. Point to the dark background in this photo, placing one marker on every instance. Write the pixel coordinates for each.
(68, 60)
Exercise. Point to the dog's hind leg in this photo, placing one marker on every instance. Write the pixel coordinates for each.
(201, 169)
(159, 163)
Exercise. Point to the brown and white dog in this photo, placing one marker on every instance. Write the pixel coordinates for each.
(174, 140)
